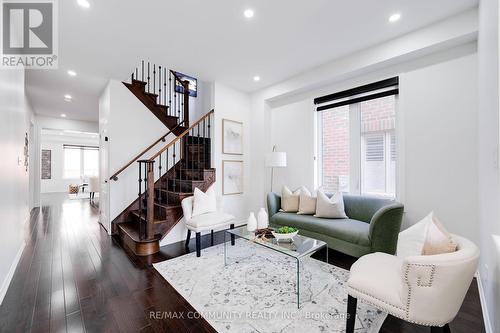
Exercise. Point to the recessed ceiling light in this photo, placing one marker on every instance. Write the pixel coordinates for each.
(83, 3)
(67, 96)
(71, 73)
(394, 17)
(63, 115)
(256, 78)
(249, 13)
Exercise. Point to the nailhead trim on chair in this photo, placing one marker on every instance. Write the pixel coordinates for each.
(378, 299)
(407, 309)
(431, 279)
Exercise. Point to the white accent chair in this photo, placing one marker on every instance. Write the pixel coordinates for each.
(425, 290)
(205, 222)
(93, 187)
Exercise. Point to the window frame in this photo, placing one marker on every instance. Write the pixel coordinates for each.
(81, 150)
(355, 155)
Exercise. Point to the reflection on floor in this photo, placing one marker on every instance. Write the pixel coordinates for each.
(74, 277)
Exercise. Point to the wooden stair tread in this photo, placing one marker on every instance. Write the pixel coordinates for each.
(143, 217)
(139, 82)
(131, 229)
(166, 206)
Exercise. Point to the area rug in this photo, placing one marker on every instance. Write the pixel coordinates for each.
(255, 292)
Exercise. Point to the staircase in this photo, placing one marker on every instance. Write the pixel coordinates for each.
(174, 171)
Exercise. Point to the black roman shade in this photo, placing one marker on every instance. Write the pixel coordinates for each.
(363, 93)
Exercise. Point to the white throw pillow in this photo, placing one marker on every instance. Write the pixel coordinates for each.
(289, 200)
(204, 202)
(307, 203)
(425, 237)
(331, 208)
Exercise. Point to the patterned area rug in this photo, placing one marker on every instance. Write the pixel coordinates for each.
(255, 292)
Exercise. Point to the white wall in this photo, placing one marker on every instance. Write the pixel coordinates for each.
(15, 117)
(55, 143)
(487, 156)
(438, 107)
(439, 42)
(293, 132)
(437, 112)
(130, 127)
(234, 105)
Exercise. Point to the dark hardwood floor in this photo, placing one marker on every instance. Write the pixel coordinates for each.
(73, 277)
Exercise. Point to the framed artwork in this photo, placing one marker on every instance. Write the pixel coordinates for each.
(232, 137)
(193, 84)
(232, 177)
(46, 164)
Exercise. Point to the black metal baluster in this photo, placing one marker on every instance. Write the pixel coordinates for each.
(204, 144)
(148, 76)
(154, 78)
(165, 86)
(198, 146)
(175, 103)
(136, 73)
(170, 93)
(159, 176)
(167, 175)
(174, 182)
(140, 193)
(209, 134)
(159, 86)
(142, 72)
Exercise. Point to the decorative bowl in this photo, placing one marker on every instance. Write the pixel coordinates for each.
(288, 237)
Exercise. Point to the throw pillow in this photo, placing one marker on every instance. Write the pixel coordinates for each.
(204, 202)
(438, 239)
(307, 203)
(331, 208)
(411, 241)
(289, 200)
(426, 237)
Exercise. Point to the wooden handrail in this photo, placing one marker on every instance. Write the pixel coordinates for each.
(114, 176)
(183, 134)
(176, 76)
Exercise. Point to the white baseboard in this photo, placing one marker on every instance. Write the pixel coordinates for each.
(10, 274)
(484, 308)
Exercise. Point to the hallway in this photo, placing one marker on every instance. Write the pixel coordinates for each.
(73, 277)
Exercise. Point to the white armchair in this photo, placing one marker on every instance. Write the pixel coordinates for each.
(425, 290)
(204, 222)
(93, 187)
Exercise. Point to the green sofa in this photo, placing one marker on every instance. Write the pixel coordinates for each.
(373, 224)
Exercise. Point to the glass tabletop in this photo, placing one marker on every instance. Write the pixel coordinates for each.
(301, 246)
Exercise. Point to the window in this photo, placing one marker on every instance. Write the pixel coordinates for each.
(80, 161)
(357, 144)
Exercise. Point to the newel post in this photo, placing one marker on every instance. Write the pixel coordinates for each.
(150, 200)
(185, 88)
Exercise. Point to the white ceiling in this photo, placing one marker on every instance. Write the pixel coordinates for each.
(213, 41)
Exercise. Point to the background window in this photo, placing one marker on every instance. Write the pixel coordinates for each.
(80, 161)
(335, 149)
(72, 163)
(358, 147)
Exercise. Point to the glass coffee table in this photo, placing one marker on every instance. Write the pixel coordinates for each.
(301, 247)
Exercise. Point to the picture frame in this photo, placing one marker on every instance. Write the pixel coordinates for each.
(232, 137)
(46, 166)
(232, 177)
(193, 84)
